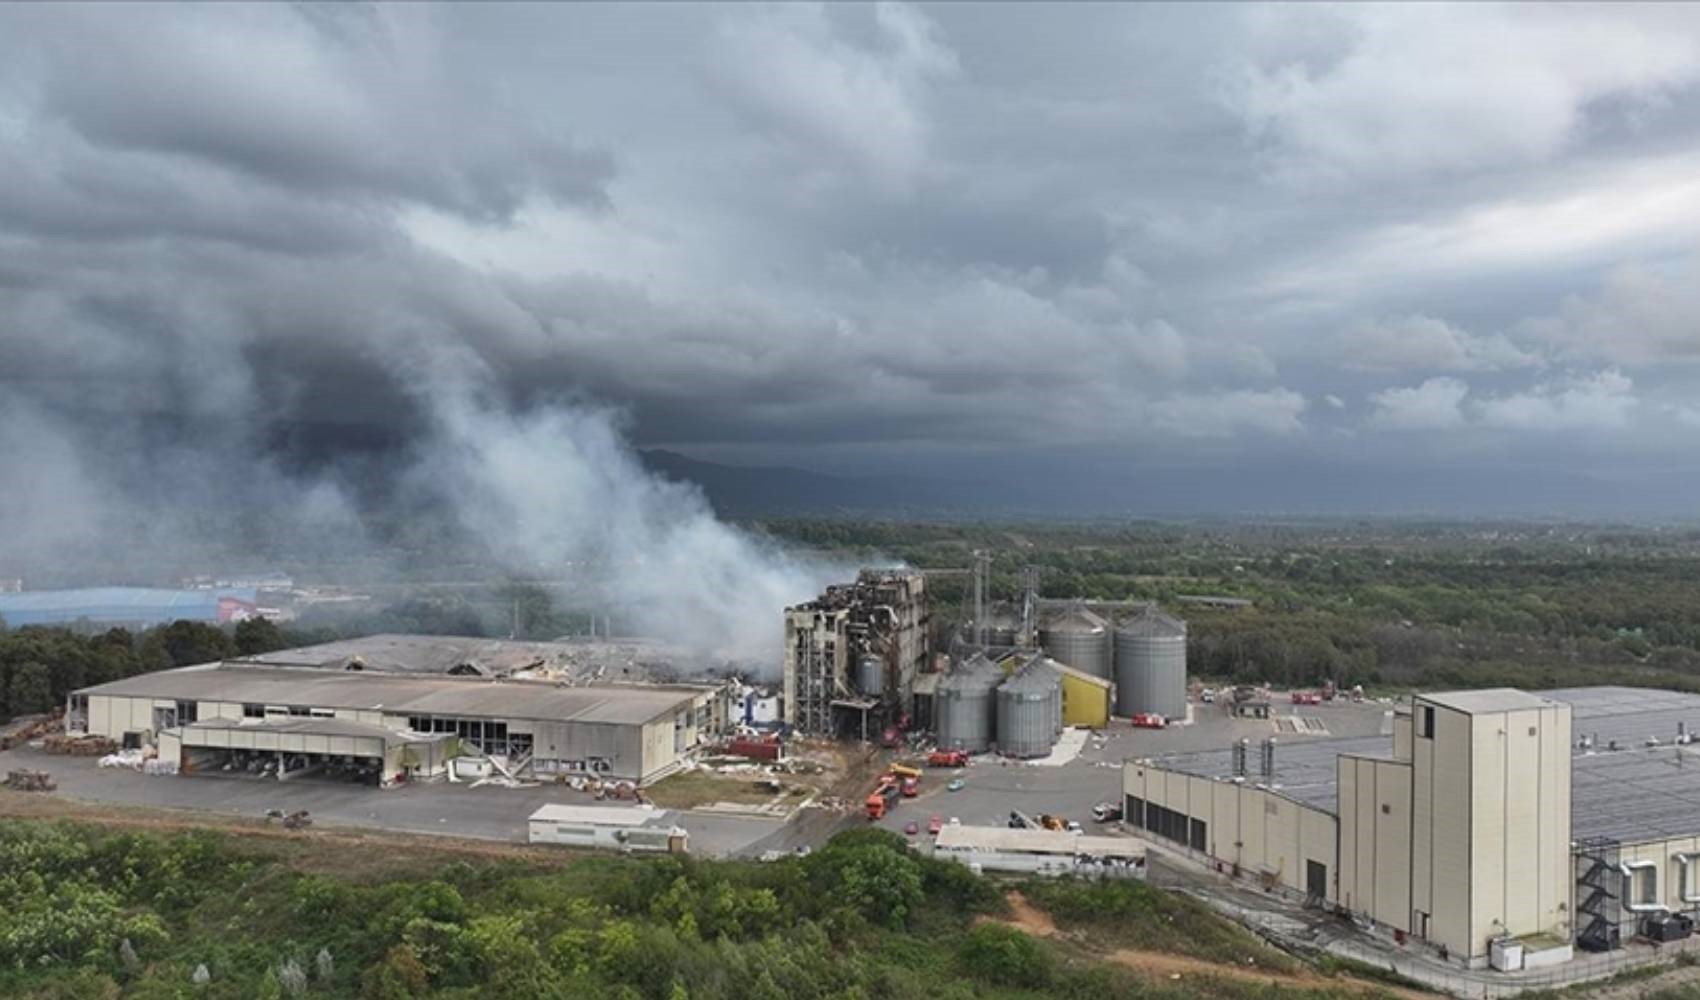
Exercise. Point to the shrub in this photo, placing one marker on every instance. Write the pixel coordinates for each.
(1002, 955)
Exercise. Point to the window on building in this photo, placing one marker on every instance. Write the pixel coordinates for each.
(1425, 722)
(301, 710)
(252, 711)
(322, 713)
(187, 712)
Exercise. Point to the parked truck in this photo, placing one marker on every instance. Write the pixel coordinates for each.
(880, 799)
(948, 758)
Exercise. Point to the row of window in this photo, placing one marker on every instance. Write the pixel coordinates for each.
(254, 711)
(1166, 823)
(490, 737)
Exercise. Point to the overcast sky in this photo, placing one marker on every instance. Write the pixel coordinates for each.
(1239, 245)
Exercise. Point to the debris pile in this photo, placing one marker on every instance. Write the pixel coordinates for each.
(31, 781)
(79, 745)
(22, 730)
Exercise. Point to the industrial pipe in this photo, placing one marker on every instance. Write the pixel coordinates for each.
(1685, 890)
(1628, 870)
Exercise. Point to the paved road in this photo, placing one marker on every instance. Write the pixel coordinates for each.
(488, 813)
(992, 788)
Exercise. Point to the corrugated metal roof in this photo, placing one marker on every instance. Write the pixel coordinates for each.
(1487, 700)
(627, 816)
(400, 695)
(998, 838)
(125, 605)
(975, 674)
(439, 654)
(1634, 794)
(1153, 622)
(1079, 675)
(309, 726)
(1076, 618)
(1035, 676)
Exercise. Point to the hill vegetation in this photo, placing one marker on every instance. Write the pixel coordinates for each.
(1387, 604)
(93, 913)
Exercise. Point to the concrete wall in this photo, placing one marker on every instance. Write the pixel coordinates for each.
(1440, 830)
(112, 717)
(1259, 830)
(1670, 884)
(1520, 843)
(1491, 826)
(1375, 839)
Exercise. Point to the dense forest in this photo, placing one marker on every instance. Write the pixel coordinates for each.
(1385, 604)
(40, 666)
(93, 914)
(1394, 605)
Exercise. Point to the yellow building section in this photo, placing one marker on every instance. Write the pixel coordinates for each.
(1086, 699)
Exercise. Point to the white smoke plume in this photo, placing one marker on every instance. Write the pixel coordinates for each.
(559, 492)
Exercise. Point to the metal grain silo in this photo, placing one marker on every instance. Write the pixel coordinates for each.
(1151, 665)
(1029, 711)
(1080, 639)
(870, 675)
(964, 707)
(1003, 626)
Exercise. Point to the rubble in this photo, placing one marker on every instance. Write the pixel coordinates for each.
(78, 745)
(31, 781)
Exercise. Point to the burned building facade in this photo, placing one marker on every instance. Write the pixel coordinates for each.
(852, 655)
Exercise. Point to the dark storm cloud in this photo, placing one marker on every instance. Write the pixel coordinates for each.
(245, 237)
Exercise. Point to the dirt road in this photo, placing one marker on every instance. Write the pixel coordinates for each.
(1024, 916)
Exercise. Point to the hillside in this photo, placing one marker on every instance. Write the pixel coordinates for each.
(330, 914)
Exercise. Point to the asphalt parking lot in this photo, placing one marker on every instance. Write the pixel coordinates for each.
(488, 813)
(991, 788)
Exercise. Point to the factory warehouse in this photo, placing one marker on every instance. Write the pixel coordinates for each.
(527, 707)
(1500, 827)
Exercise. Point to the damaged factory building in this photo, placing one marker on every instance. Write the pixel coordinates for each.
(852, 655)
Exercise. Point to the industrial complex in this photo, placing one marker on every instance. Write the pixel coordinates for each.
(1502, 827)
(1494, 829)
(383, 708)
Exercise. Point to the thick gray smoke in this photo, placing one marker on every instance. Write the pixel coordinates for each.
(558, 491)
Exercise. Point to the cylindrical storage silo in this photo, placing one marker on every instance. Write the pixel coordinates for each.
(963, 705)
(1080, 639)
(1029, 708)
(1151, 665)
(870, 675)
(1002, 627)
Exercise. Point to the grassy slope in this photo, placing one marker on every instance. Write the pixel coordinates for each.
(420, 920)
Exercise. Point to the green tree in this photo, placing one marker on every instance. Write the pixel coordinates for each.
(32, 689)
(257, 635)
(187, 643)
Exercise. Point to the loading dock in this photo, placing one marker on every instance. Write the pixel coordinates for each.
(287, 748)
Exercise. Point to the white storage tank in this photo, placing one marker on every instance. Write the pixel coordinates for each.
(1029, 707)
(1151, 665)
(1080, 639)
(963, 705)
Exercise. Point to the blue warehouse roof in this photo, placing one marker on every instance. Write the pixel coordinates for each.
(141, 606)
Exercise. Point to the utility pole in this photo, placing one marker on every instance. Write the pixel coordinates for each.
(1029, 606)
(982, 567)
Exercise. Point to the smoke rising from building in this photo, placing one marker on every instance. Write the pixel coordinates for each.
(558, 491)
